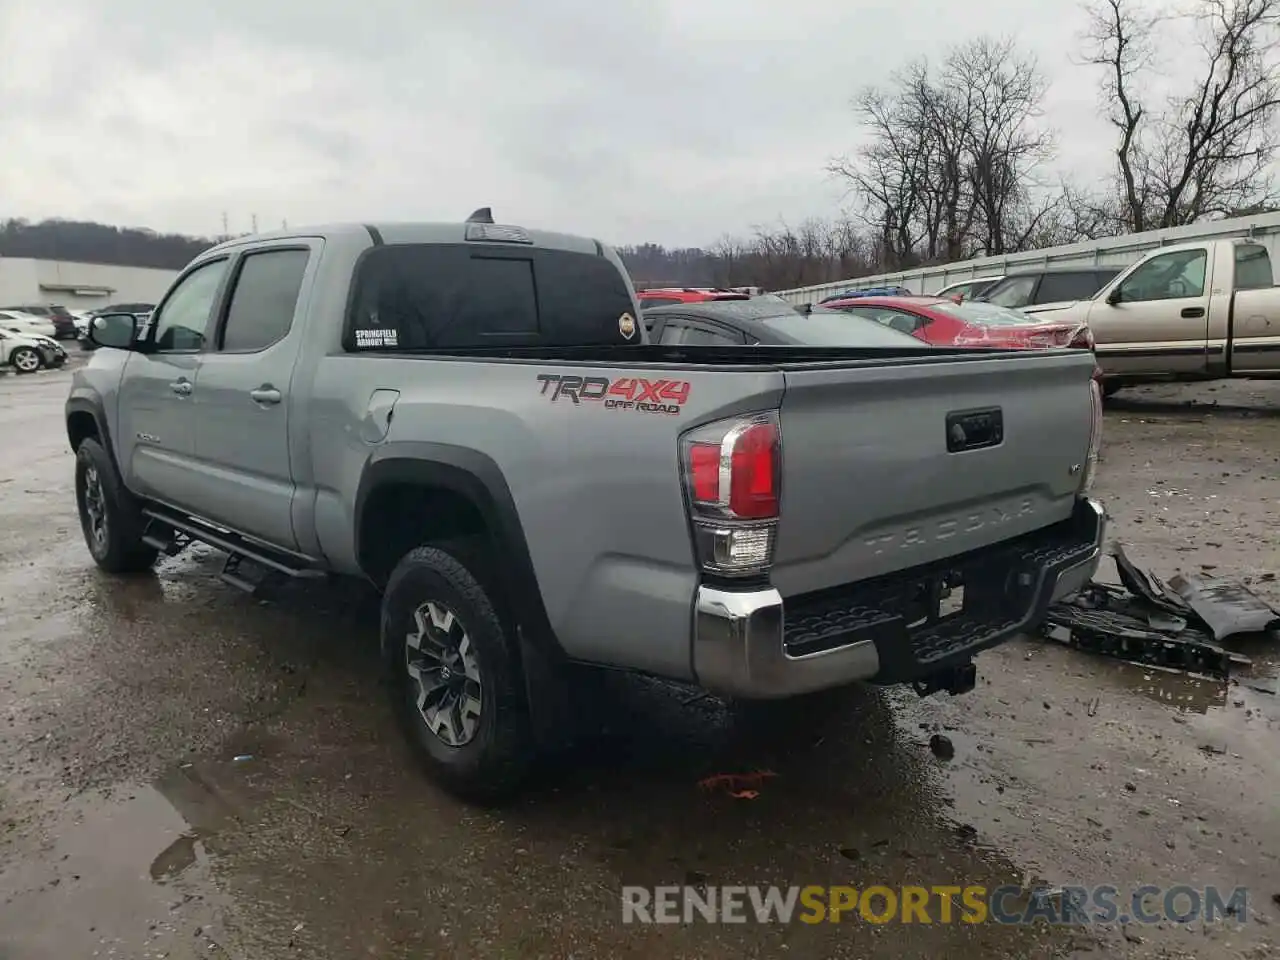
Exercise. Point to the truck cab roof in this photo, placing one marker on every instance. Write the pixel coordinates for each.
(398, 232)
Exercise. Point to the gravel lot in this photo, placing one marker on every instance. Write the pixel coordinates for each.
(194, 773)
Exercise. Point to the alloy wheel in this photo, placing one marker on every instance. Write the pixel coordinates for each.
(442, 666)
(95, 507)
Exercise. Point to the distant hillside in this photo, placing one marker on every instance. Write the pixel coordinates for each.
(815, 251)
(87, 242)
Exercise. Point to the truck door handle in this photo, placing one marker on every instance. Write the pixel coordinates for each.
(181, 387)
(265, 394)
(1192, 312)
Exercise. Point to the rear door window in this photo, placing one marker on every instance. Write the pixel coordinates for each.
(263, 300)
(442, 296)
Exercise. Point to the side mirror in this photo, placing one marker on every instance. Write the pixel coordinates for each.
(1114, 296)
(119, 330)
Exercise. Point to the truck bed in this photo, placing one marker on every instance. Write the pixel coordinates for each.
(868, 485)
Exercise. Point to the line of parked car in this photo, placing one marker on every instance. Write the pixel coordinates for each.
(1203, 310)
(710, 316)
(30, 333)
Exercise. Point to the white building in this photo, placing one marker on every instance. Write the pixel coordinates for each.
(79, 286)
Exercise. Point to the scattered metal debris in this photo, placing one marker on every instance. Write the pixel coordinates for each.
(1226, 607)
(1177, 625)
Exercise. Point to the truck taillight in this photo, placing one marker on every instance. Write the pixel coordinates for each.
(733, 473)
(1095, 435)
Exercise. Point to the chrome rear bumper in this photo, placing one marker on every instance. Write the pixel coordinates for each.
(744, 646)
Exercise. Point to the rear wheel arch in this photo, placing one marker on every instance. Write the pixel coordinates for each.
(415, 493)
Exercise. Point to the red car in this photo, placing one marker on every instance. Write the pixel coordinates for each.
(941, 322)
(666, 296)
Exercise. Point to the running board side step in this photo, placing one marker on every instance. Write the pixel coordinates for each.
(170, 533)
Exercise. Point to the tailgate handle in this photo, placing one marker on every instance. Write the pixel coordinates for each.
(974, 429)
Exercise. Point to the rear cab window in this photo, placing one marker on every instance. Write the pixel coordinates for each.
(1253, 267)
(424, 297)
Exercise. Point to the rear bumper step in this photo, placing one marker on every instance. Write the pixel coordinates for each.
(892, 629)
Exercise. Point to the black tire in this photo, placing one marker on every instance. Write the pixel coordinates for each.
(494, 759)
(21, 360)
(117, 545)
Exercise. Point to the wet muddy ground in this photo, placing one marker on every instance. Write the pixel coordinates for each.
(189, 772)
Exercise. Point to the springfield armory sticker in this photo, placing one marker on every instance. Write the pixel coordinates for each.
(377, 338)
(624, 393)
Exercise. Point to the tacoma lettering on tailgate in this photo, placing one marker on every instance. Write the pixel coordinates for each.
(944, 528)
(623, 393)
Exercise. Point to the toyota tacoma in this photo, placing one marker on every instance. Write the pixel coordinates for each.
(471, 417)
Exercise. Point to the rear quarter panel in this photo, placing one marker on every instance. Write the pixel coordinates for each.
(597, 486)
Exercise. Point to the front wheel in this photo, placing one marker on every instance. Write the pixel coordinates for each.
(456, 677)
(25, 360)
(109, 515)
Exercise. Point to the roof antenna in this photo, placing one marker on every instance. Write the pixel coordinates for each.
(483, 215)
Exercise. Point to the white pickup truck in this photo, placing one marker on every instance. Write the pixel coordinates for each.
(1191, 311)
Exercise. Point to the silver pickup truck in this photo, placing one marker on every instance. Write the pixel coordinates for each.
(471, 417)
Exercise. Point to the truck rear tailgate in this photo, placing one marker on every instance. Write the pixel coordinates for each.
(887, 467)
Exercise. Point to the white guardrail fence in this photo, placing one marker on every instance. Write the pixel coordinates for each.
(1110, 252)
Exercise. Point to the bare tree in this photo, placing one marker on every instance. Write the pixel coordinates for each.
(1208, 151)
(889, 175)
(950, 165)
(1005, 147)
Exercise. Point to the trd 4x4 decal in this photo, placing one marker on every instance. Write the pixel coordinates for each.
(624, 393)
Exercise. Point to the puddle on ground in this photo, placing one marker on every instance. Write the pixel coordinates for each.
(1183, 691)
(123, 872)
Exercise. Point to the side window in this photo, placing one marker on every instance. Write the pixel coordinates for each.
(1067, 286)
(263, 300)
(1253, 267)
(902, 322)
(709, 336)
(181, 322)
(1012, 292)
(869, 313)
(673, 332)
(1169, 276)
(651, 302)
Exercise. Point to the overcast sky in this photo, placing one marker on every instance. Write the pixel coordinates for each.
(672, 122)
